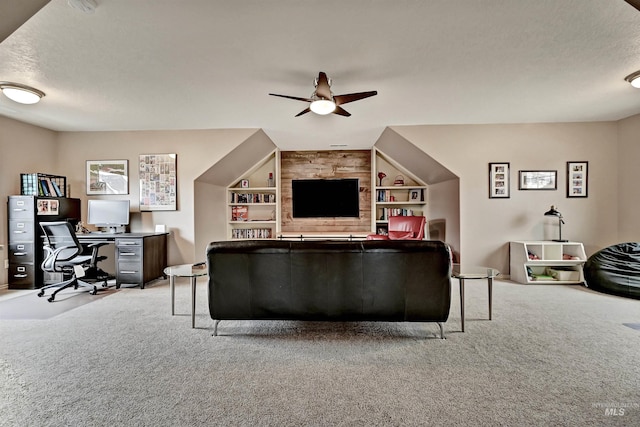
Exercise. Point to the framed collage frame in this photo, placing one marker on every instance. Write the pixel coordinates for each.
(538, 180)
(499, 186)
(158, 182)
(107, 177)
(577, 179)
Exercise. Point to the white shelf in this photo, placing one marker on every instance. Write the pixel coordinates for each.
(401, 193)
(551, 261)
(255, 225)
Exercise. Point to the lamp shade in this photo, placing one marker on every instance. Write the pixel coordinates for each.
(553, 212)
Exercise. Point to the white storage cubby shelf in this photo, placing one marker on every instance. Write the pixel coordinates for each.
(547, 262)
(253, 206)
(389, 199)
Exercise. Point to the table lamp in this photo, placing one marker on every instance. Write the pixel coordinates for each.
(554, 212)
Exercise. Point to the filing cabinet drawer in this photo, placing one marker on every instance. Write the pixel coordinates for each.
(22, 276)
(20, 253)
(20, 208)
(20, 230)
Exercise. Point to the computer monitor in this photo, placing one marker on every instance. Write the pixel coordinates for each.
(112, 215)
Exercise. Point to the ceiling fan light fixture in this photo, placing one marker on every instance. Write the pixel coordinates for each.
(634, 79)
(20, 93)
(323, 106)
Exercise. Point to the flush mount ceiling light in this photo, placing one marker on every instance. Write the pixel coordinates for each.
(22, 94)
(634, 79)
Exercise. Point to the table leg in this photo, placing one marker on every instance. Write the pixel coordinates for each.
(461, 302)
(490, 280)
(193, 302)
(172, 285)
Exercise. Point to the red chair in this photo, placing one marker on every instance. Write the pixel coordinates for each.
(403, 228)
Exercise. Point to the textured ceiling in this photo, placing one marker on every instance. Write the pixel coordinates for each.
(206, 64)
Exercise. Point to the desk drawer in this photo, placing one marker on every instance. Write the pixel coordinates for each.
(129, 272)
(124, 242)
(129, 253)
(20, 252)
(21, 276)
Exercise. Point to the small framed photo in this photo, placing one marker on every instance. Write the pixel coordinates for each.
(499, 187)
(107, 177)
(577, 179)
(538, 180)
(244, 183)
(414, 196)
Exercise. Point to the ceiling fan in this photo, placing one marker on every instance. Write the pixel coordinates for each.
(323, 101)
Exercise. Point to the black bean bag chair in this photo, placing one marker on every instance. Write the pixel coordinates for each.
(615, 270)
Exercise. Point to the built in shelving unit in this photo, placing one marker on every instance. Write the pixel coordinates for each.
(392, 198)
(547, 262)
(253, 208)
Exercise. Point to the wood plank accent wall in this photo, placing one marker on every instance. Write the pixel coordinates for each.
(327, 165)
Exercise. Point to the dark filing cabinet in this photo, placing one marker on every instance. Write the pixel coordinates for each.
(25, 235)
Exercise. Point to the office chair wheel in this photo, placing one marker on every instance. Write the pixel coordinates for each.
(51, 298)
(93, 291)
(41, 294)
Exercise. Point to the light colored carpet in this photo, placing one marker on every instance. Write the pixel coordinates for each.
(553, 355)
(30, 306)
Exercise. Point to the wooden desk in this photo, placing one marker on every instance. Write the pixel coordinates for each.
(140, 257)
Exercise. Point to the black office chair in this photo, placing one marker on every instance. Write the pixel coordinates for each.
(64, 253)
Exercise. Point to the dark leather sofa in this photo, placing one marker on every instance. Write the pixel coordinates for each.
(374, 280)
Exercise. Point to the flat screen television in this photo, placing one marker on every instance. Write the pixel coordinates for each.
(325, 198)
(110, 214)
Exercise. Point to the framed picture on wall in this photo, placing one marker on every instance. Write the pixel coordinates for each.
(577, 179)
(499, 181)
(107, 177)
(158, 182)
(538, 180)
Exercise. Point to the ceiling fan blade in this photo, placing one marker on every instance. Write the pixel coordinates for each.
(634, 3)
(350, 97)
(297, 98)
(323, 90)
(305, 111)
(341, 112)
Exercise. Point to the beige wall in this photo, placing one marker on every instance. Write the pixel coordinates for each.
(628, 181)
(486, 225)
(196, 151)
(23, 149)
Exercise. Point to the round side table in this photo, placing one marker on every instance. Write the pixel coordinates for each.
(185, 270)
(463, 272)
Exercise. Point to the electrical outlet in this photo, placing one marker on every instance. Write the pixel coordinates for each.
(6, 264)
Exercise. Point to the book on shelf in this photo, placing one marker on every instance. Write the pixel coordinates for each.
(44, 188)
(239, 213)
(56, 188)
